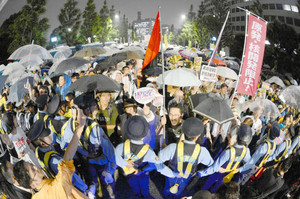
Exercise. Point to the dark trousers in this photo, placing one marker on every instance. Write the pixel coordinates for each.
(214, 181)
(182, 183)
(139, 183)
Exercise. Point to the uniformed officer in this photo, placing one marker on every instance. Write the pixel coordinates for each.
(137, 158)
(49, 155)
(41, 102)
(184, 157)
(230, 160)
(296, 141)
(95, 150)
(261, 155)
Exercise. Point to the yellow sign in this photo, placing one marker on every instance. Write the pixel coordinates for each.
(197, 63)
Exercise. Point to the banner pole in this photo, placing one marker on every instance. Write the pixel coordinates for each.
(163, 72)
(240, 69)
(218, 41)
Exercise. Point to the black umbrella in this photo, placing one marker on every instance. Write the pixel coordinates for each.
(95, 82)
(155, 71)
(3, 79)
(70, 64)
(197, 99)
(215, 109)
(111, 61)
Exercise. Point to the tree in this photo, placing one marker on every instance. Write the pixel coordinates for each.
(191, 14)
(28, 26)
(90, 23)
(257, 8)
(171, 38)
(69, 19)
(186, 34)
(123, 29)
(104, 26)
(201, 34)
(201, 11)
(283, 52)
(6, 37)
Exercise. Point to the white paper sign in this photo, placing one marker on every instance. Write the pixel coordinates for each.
(208, 73)
(144, 95)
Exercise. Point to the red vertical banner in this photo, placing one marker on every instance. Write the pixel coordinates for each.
(253, 56)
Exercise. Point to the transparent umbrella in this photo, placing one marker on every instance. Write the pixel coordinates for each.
(30, 49)
(291, 96)
(12, 68)
(276, 80)
(227, 73)
(269, 109)
(180, 77)
(31, 61)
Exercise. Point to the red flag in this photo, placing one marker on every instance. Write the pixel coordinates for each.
(154, 43)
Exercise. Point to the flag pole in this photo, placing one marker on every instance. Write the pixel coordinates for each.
(218, 41)
(163, 71)
(240, 69)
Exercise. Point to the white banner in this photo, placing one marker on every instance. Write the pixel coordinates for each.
(208, 73)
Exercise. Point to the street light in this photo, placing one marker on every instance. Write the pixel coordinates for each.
(69, 29)
(117, 17)
(214, 38)
(183, 17)
(53, 39)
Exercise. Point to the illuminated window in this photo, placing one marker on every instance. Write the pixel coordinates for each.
(287, 7)
(294, 8)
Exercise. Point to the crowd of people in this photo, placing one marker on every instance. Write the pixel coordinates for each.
(58, 143)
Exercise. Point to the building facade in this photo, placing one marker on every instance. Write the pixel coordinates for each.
(285, 11)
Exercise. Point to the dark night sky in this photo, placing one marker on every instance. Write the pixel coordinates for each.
(171, 10)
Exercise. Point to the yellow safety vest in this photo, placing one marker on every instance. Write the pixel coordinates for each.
(45, 163)
(128, 156)
(288, 143)
(63, 128)
(229, 167)
(1, 128)
(190, 159)
(86, 135)
(297, 146)
(267, 155)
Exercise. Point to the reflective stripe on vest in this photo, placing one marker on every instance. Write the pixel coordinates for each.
(190, 159)
(131, 157)
(288, 143)
(298, 145)
(232, 158)
(63, 128)
(87, 135)
(1, 129)
(267, 155)
(45, 163)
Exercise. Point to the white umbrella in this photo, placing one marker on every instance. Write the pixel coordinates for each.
(30, 49)
(12, 68)
(179, 77)
(31, 60)
(276, 80)
(188, 53)
(227, 73)
(291, 96)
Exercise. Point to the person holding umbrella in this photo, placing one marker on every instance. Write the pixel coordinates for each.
(184, 157)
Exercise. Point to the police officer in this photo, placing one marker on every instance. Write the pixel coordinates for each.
(184, 157)
(95, 150)
(42, 102)
(49, 155)
(137, 159)
(229, 160)
(261, 155)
